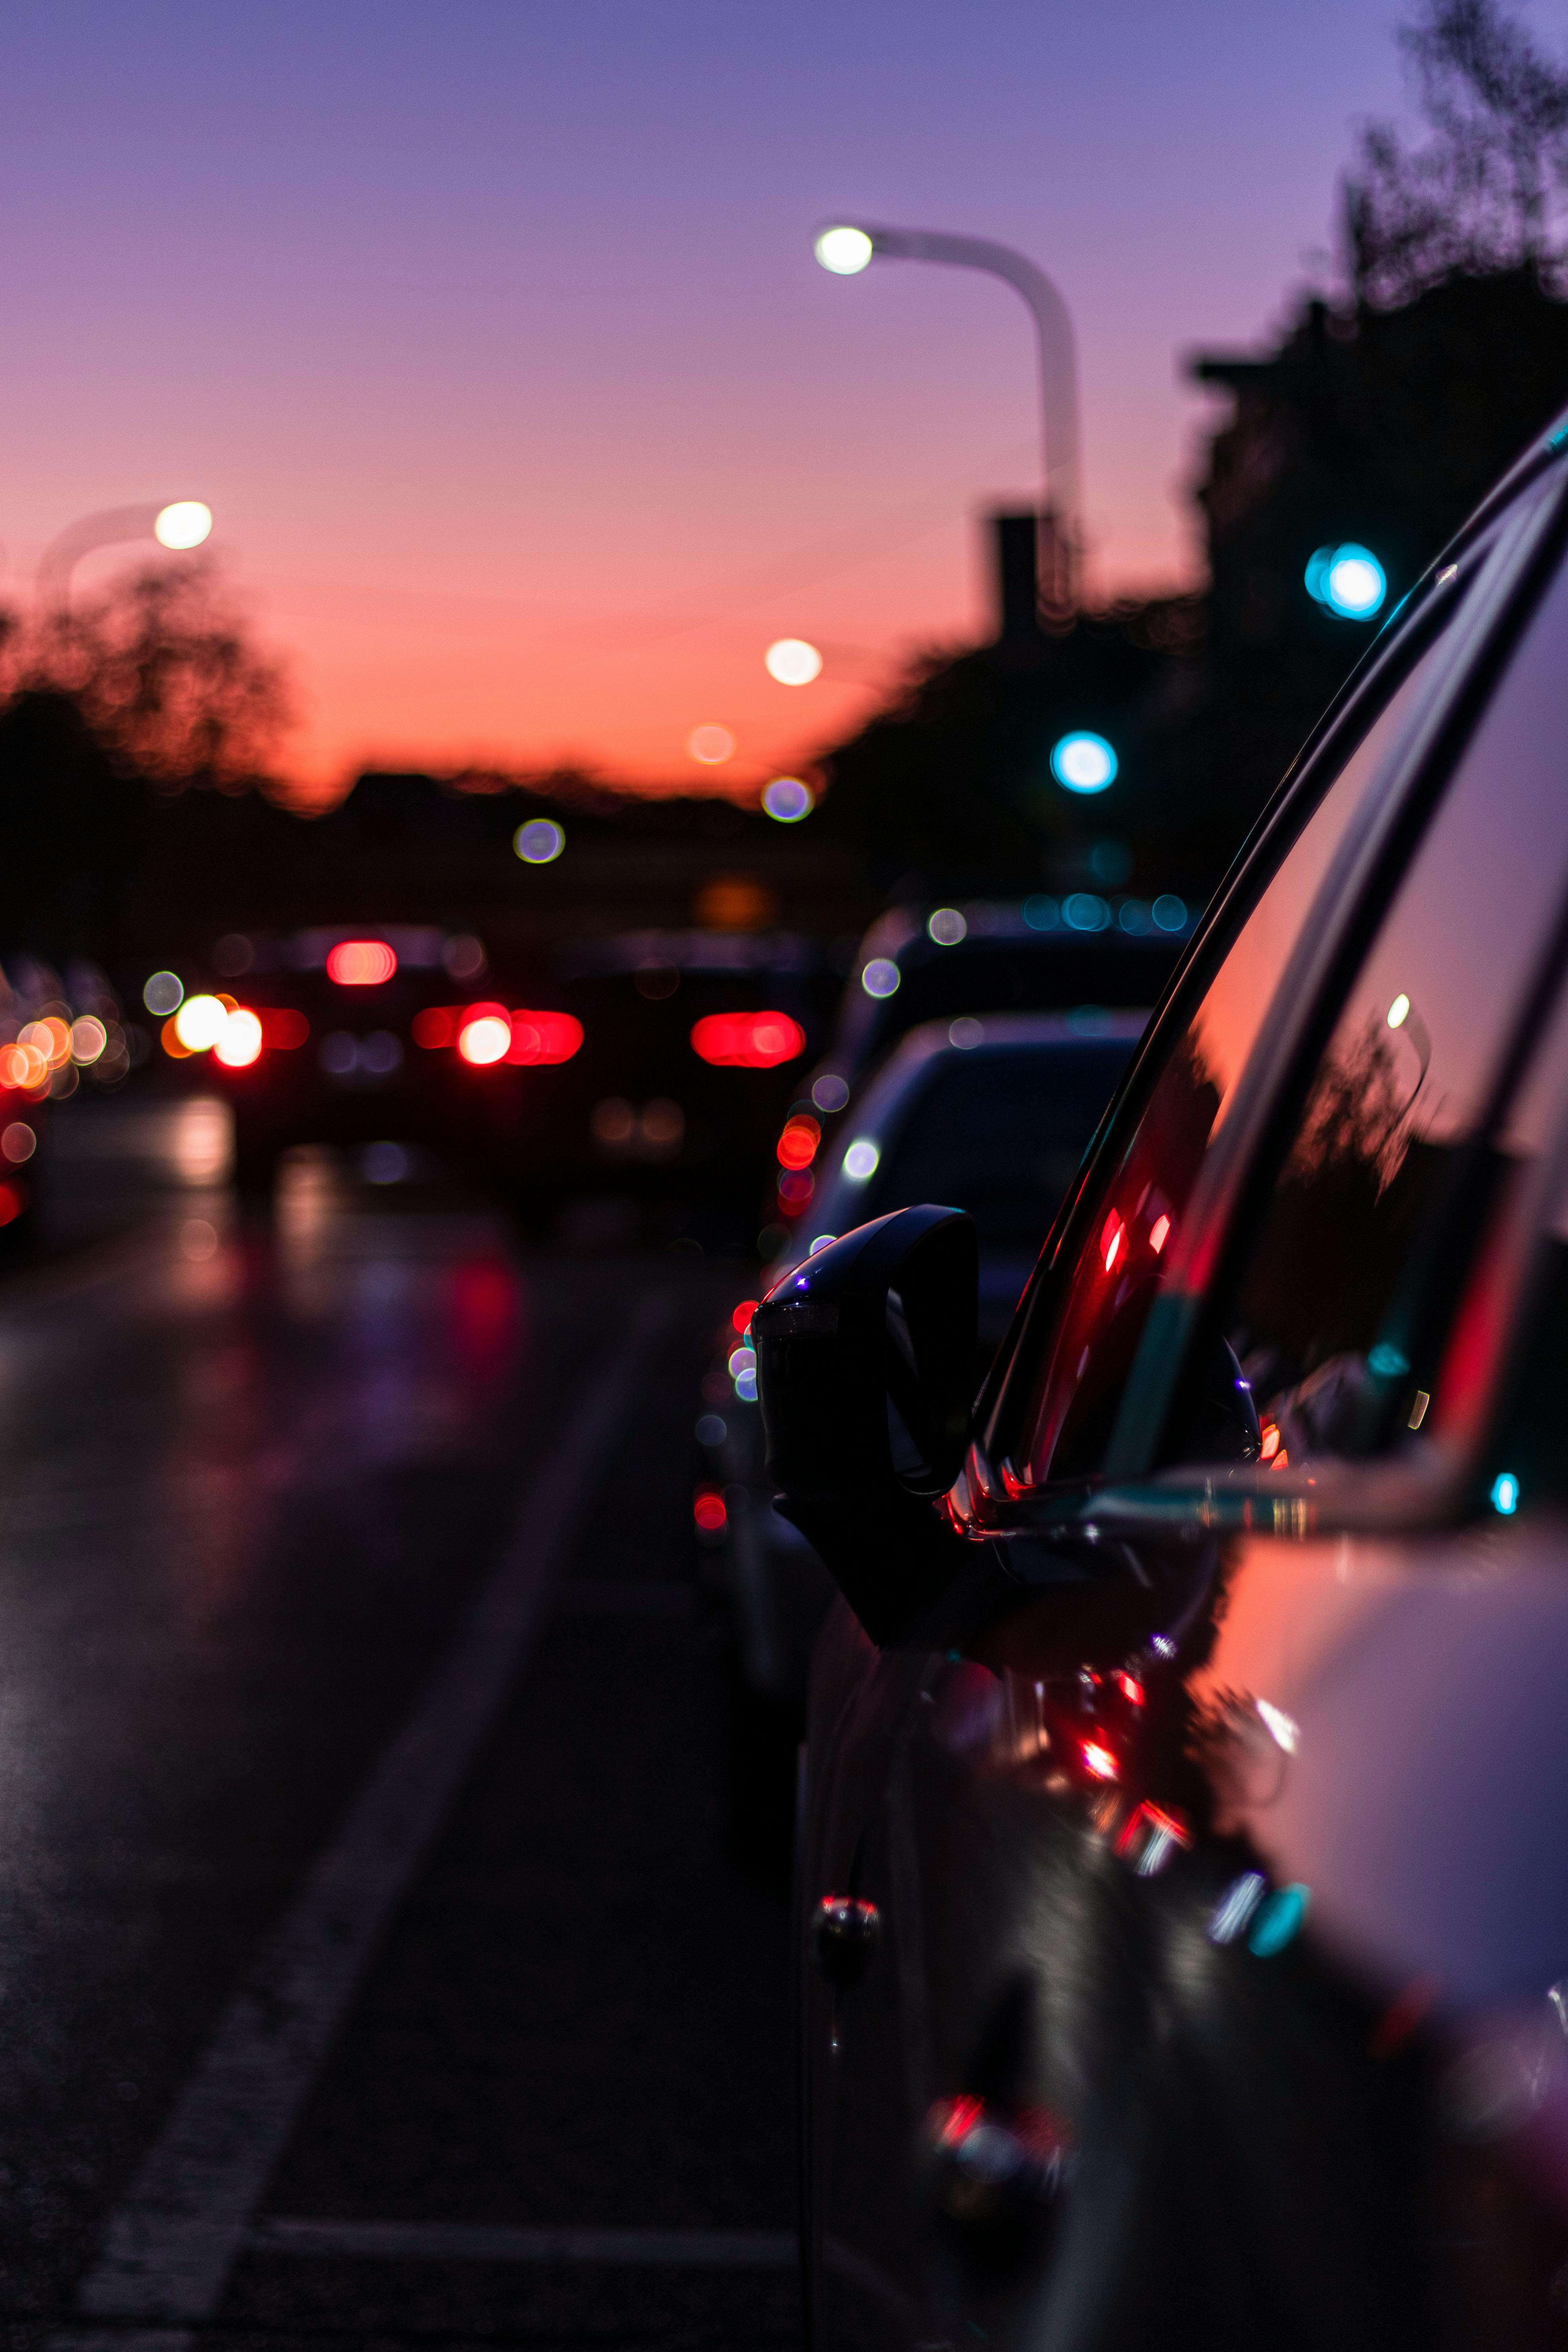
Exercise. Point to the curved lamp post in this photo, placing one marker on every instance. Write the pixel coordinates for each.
(848, 248)
(183, 524)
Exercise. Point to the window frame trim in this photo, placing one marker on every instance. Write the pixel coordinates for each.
(1505, 583)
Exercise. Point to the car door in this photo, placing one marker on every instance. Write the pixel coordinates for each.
(994, 1801)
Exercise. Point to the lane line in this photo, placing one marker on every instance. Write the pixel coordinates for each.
(459, 2242)
(170, 2247)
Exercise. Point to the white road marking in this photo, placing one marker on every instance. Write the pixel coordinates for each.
(170, 2246)
(459, 2242)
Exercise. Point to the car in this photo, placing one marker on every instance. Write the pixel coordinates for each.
(991, 1115)
(651, 1066)
(918, 963)
(1182, 1937)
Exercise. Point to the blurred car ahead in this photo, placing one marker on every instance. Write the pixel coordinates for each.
(1184, 1941)
(1084, 954)
(650, 1068)
(994, 1120)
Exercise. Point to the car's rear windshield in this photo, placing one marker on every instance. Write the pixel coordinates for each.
(1001, 1133)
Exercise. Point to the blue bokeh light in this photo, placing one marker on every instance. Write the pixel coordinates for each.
(1347, 581)
(1082, 763)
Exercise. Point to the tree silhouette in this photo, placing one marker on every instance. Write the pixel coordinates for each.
(1483, 195)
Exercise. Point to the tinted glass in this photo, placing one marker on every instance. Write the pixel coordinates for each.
(1324, 1320)
(1002, 1135)
(1097, 1328)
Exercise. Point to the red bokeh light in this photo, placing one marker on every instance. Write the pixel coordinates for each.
(797, 1144)
(748, 1041)
(1111, 1240)
(437, 1025)
(1159, 1234)
(1099, 1761)
(708, 1510)
(13, 1201)
(283, 1029)
(743, 1314)
(541, 1039)
(796, 1189)
(360, 963)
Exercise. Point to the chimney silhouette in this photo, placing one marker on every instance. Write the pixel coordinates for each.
(1015, 550)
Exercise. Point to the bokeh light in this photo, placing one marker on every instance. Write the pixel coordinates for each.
(87, 1039)
(792, 662)
(200, 1022)
(240, 1043)
(360, 963)
(861, 1160)
(185, 524)
(747, 1041)
(163, 993)
(947, 926)
(843, 250)
(787, 800)
(881, 977)
(1347, 581)
(485, 1040)
(1083, 762)
(711, 745)
(539, 842)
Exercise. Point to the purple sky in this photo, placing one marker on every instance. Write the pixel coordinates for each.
(492, 334)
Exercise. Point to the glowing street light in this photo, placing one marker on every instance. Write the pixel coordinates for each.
(850, 247)
(792, 662)
(846, 251)
(186, 523)
(178, 525)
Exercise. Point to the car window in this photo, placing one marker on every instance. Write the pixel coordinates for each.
(1002, 1135)
(1099, 1319)
(1324, 1317)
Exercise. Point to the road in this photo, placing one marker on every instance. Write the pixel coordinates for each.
(372, 1969)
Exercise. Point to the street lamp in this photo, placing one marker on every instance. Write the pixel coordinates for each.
(848, 248)
(177, 525)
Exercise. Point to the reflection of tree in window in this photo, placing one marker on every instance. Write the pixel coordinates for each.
(1101, 1330)
(1360, 1183)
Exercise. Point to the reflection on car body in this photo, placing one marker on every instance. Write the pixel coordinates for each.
(1193, 1751)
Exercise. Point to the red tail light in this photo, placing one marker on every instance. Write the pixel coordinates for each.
(748, 1041)
(360, 963)
(543, 1038)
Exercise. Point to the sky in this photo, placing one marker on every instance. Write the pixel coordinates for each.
(491, 334)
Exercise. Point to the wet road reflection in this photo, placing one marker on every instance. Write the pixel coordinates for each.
(262, 1476)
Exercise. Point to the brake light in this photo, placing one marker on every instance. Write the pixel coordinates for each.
(360, 963)
(433, 1027)
(747, 1041)
(485, 1040)
(283, 1029)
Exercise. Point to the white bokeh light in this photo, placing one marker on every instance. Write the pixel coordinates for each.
(845, 251)
(792, 662)
(185, 524)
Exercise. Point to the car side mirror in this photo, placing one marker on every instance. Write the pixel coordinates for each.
(865, 1364)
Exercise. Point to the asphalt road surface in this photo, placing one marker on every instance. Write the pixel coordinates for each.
(372, 1969)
